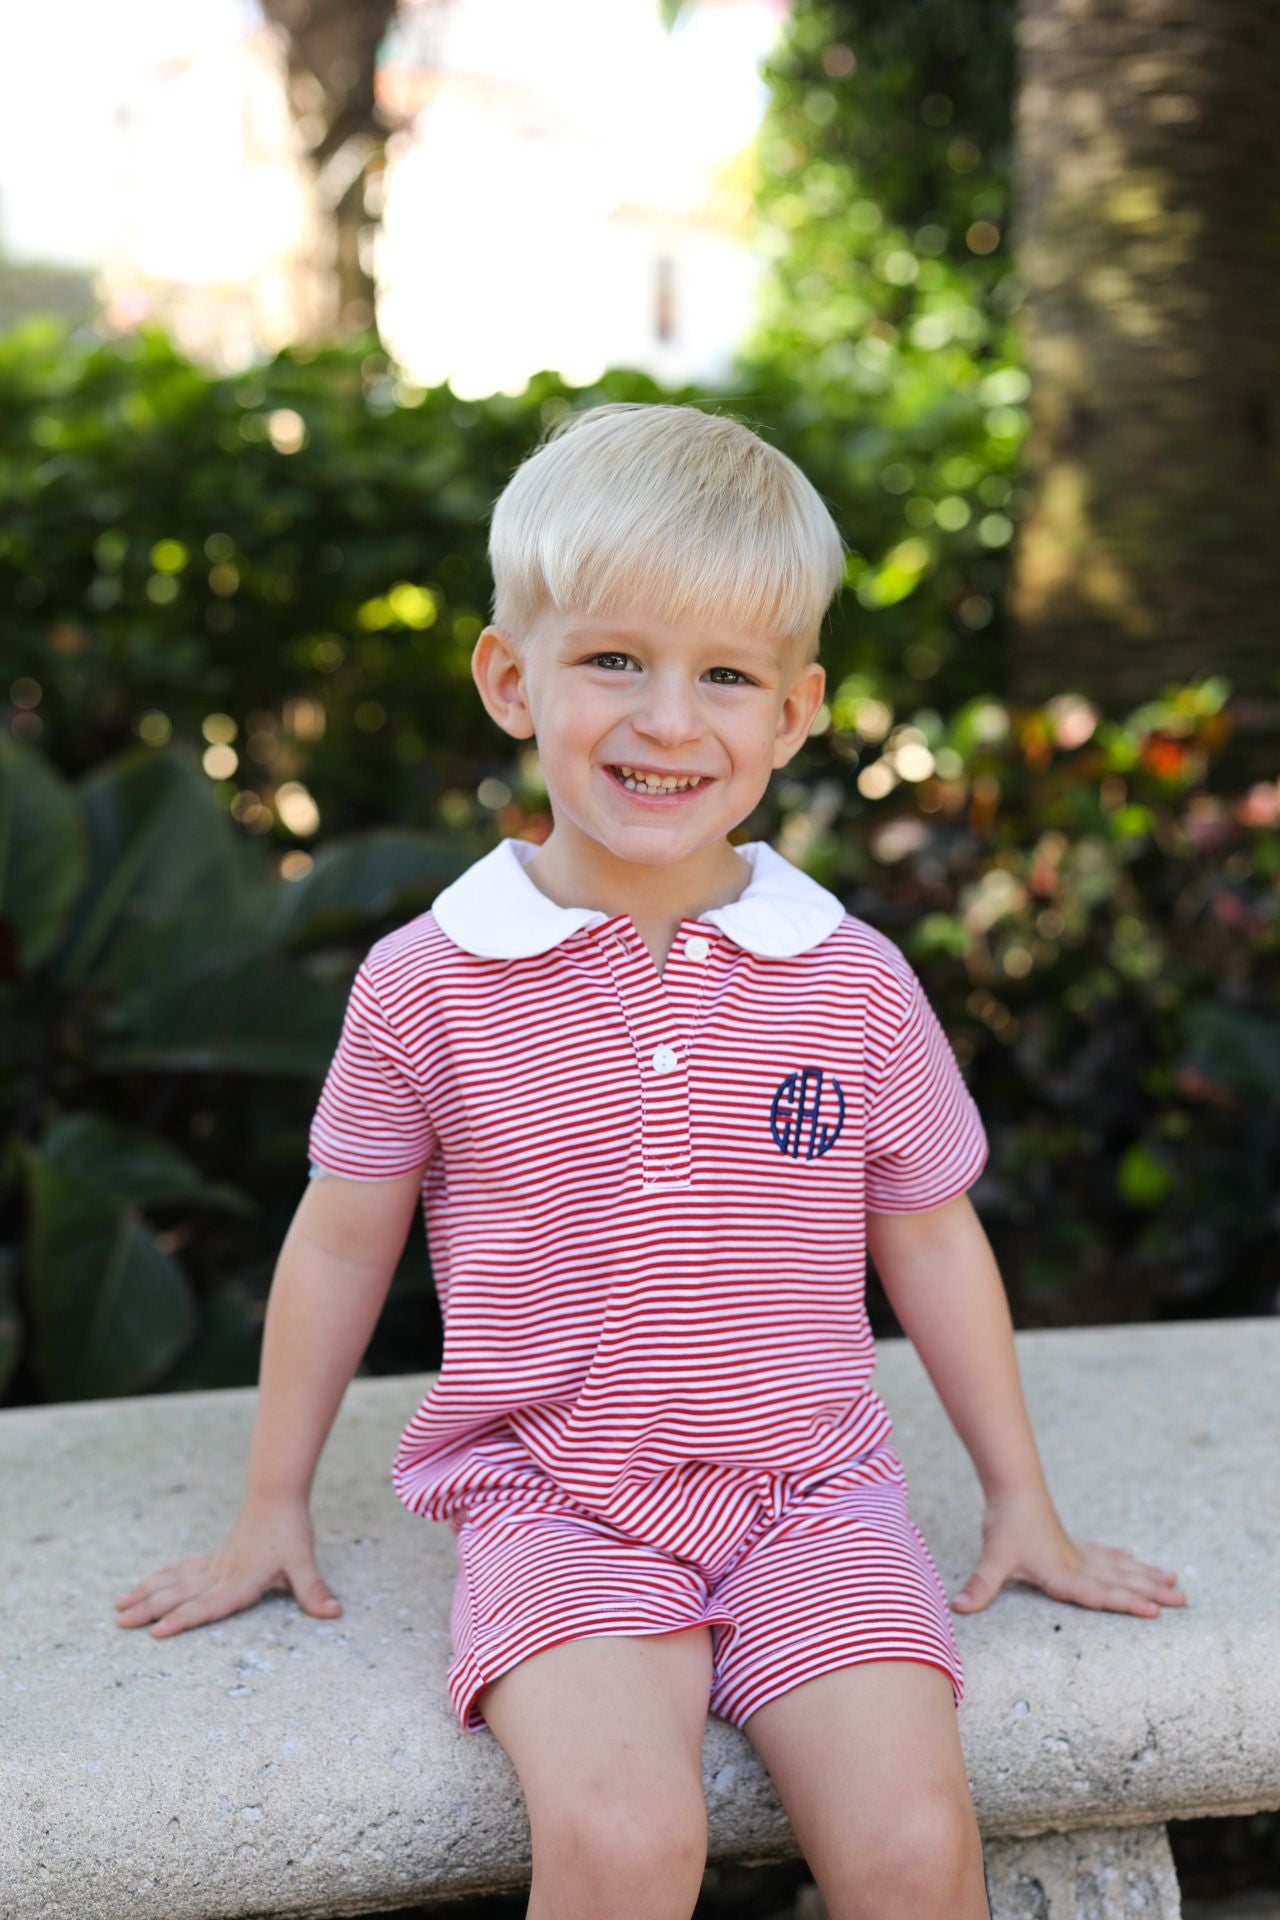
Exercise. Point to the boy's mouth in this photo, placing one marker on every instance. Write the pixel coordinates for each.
(652, 788)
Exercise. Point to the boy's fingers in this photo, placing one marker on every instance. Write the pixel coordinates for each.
(1153, 1583)
(214, 1603)
(1128, 1563)
(160, 1596)
(163, 1601)
(190, 1614)
(163, 1576)
(310, 1589)
(1104, 1595)
(1156, 1589)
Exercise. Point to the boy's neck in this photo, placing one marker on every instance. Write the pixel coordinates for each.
(575, 871)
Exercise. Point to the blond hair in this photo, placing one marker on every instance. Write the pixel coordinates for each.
(686, 515)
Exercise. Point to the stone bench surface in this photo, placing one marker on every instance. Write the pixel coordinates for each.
(271, 1763)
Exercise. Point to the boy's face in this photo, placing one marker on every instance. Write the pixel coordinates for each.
(604, 693)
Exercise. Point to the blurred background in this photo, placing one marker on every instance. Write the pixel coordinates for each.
(287, 291)
(259, 179)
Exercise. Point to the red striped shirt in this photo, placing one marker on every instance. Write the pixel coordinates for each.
(645, 1195)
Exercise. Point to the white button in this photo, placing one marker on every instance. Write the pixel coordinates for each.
(696, 947)
(664, 1058)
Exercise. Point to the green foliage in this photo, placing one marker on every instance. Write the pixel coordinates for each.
(164, 559)
(152, 956)
(882, 208)
(884, 193)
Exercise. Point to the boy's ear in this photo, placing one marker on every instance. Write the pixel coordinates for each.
(498, 671)
(799, 710)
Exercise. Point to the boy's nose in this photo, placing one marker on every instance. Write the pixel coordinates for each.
(671, 717)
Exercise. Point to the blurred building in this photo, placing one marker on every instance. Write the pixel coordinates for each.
(570, 187)
(571, 192)
(210, 228)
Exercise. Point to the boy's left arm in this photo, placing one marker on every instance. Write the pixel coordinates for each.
(942, 1281)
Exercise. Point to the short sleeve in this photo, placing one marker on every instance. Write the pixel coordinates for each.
(370, 1122)
(925, 1139)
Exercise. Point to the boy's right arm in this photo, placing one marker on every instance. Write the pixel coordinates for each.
(328, 1289)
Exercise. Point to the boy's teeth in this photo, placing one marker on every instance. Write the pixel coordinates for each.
(659, 783)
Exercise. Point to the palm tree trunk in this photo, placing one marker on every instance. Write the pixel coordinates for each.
(1147, 235)
(331, 48)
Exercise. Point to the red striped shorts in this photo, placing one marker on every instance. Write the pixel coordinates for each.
(827, 1572)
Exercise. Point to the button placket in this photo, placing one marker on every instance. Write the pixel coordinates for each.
(660, 1027)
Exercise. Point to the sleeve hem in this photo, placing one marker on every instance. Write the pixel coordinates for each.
(318, 1171)
(951, 1192)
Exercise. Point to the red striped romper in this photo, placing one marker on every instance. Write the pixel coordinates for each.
(644, 1198)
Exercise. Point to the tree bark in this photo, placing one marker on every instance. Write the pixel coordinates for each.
(331, 50)
(1146, 232)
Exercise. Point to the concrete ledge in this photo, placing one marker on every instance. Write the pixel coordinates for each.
(275, 1764)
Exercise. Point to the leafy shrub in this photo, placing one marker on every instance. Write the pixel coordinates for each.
(170, 1005)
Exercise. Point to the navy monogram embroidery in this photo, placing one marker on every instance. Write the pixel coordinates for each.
(798, 1116)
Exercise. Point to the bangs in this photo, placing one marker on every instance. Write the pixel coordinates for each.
(685, 516)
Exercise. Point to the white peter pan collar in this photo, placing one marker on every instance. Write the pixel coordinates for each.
(494, 909)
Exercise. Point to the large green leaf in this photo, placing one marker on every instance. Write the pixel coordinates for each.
(133, 1167)
(360, 878)
(157, 841)
(208, 990)
(204, 993)
(228, 1348)
(43, 852)
(110, 1310)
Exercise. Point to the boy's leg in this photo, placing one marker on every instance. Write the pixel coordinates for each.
(606, 1735)
(868, 1765)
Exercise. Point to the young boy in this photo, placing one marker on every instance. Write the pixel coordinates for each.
(657, 1095)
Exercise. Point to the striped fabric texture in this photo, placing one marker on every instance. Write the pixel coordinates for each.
(645, 1203)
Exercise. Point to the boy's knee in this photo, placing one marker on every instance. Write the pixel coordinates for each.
(925, 1849)
(640, 1841)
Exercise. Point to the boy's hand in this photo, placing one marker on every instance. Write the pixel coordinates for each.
(271, 1545)
(1023, 1539)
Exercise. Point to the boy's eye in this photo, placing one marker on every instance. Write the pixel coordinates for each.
(595, 658)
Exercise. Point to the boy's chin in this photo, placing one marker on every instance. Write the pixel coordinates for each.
(659, 847)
